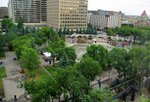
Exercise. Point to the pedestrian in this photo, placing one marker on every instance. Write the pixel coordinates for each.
(124, 97)
(99, 83)
(15, 98)
(132, 94)
(41, 52)
(0, 99)
(1, 63)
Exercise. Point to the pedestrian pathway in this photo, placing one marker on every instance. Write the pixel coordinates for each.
(13, 79)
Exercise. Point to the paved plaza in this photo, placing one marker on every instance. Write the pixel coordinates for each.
(81, 48)
(11, 82)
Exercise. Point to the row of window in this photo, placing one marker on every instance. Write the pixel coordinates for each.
(73, 21)
(77, 25)
(79, 15)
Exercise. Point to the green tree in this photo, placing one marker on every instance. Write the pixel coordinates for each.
(143, 99)
(9, 38)
(2, 43)
(124, 31)
(138, 33)
(2, 52)
(84, 31)
(62, 82)
(99, 96)
(146, 64)
(138, 55)
(72, 31)
(73, 83)
(60, 32)
(147, 61)
(89, 68)
(98, 53)
(143, 36)
(68, 57)
(64, 30)
(135, 32)
(45, 31)
(90, 26)
(56, 47)
(77, 30)
(7, 25)
(40, 36)
(80, 31)
(20, 43)
(29, 59)
(20, 26)
(68, 31)
(121, 61)
(49, 33)
(90, 29)
(38, 90)
(110, 31)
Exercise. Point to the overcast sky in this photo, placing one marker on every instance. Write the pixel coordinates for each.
(129, 7)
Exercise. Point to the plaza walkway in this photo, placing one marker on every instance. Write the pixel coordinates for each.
(13, 77)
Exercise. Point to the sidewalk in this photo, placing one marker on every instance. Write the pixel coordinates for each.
(13, 77)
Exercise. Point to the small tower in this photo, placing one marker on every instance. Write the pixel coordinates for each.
(144, 16)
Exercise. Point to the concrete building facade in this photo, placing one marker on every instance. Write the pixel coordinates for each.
(30, 11)
(70, 14)
(43, 10)
(3, 12)
(102, 19)
(129, 20)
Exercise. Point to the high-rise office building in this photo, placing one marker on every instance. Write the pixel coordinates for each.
(70, 14)
(43, 10)
(3, 12)
(30, 11)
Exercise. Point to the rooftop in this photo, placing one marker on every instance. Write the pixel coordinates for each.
(144, 14)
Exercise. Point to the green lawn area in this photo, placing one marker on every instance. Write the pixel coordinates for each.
(2, 75)
(40, 73)
(51, 70)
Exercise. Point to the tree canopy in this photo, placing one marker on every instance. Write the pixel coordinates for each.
(89, 68)
(97, 95)
(98, 53)
(29, 59)
(68, 57)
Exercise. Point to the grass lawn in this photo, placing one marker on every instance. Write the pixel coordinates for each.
(2, 75)
(39, 73)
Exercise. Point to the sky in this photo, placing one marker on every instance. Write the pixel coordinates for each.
(129, 7)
